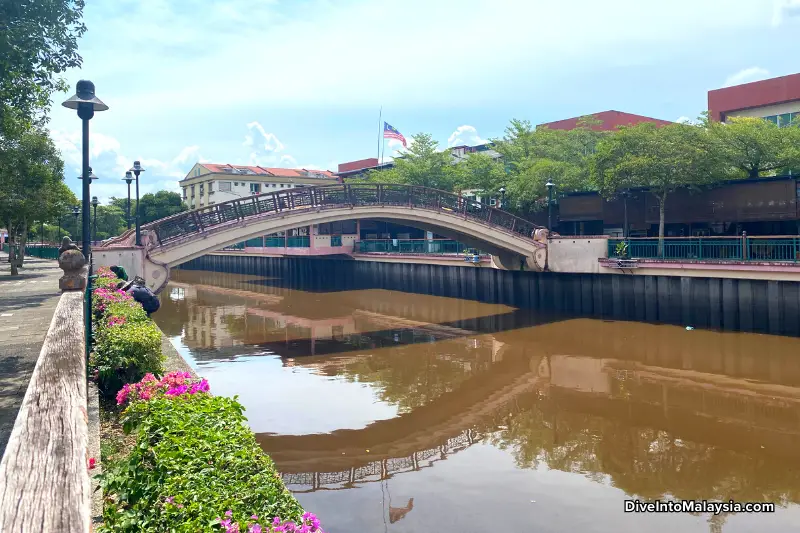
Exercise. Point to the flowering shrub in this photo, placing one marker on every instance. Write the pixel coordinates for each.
(103, 297)
(125, 352)
(105, 283)
(195, 460)
(105, 272)
(309, 523)
(173, 384)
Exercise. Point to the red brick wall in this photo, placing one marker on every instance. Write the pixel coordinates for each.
(755, 94)
(358, 165)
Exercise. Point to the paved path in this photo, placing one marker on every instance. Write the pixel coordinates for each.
(27, 303)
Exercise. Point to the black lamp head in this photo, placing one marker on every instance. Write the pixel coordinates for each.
(137, 167)
(94, 201)
(84, 99)
(128, 177)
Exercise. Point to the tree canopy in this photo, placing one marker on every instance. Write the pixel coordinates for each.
(38, 41)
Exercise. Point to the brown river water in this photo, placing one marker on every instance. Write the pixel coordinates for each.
(400, 412)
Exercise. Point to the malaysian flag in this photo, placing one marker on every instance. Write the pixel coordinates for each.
(390, 132)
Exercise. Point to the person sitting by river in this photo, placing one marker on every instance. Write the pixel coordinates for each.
(141, 294)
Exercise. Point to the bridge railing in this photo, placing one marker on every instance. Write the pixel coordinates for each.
(411, 246)
(198, 221)
(743, 248)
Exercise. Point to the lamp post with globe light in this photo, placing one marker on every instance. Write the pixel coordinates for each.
(128, 179)
(549, 186)
(86, 104)
(137, 169)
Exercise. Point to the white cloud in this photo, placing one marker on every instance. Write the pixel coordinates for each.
(785, 9)
(268, 141)
(207, 47)
(746, 75)
(465, 135)
(683, 120)
(109, 164)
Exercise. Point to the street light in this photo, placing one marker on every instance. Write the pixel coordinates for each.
(94, 222)
(549, 186)
(625, 195)
(91, 175)
(75, 212)
(86, 104)
(128, 179)
(502, 197)
(137, 169)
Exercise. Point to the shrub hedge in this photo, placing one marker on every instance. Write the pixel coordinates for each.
(194, 459)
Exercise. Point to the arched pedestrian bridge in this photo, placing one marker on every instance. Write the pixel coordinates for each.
(512, 241)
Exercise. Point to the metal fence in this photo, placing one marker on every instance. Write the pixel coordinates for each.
(768, 249)
(336, 240)
(411, 246)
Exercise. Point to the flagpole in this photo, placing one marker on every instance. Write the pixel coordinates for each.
(380, 130)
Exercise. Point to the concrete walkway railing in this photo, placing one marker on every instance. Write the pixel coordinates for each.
(44, 476)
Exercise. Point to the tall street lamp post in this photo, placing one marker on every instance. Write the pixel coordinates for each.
(549, 186)
(86, 104)
(42, 233)
(76, 211)
(502, 197)
(94, 218)
(137, 169)
(128, 179)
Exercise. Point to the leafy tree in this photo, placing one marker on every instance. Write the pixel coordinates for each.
(159, 205)
(32, 181)
(422, 165)
(480, 172)
(752, 147)
(534, 157)
(656, 159)
(38, 41)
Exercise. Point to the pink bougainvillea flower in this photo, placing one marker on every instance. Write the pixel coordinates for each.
(169, 499)
(254, 528)
(92, 463)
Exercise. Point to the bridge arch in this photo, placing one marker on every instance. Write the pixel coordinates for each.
(512, 241)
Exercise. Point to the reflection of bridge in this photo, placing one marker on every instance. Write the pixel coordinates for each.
(380, 469)
(174, 240)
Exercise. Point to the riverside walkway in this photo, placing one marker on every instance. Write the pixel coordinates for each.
(27, 304)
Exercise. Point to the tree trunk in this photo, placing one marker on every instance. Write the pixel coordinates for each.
(12, 256)
(662, 200)
(753, 173)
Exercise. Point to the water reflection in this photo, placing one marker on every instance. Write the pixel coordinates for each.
(360, 389)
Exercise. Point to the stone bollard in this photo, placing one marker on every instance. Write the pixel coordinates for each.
(73, 263)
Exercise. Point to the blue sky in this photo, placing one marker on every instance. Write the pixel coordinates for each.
(298, 83)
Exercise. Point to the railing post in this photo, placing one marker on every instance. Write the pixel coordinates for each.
(197, 221)
(745, 251)
(513, 224)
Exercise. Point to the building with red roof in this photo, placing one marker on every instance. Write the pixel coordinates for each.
(212, 183)
(609, 121)
(775, 99)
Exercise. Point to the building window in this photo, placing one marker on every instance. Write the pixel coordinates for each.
(785, 119)
(184, 193)
(210, 187)
(772, 118)
(192, 191)
(274, 185)
(224, 186)
(202, 189)
(255, 188)
(492, 202)
(197, 171)
(281, 185)
(235, 183)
